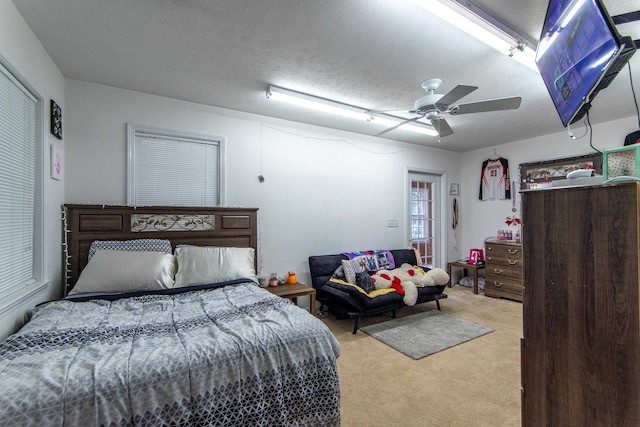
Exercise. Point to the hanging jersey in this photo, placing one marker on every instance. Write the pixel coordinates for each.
(494, 181)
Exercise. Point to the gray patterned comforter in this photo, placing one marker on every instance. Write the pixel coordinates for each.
(231, 356)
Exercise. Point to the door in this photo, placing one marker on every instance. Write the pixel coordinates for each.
(424, 218)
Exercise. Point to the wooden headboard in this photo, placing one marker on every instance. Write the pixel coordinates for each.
(201, 226)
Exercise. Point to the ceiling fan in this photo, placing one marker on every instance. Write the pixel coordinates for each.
(434, 106)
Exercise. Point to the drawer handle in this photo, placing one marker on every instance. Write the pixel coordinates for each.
(495, 270)
(513, 262)
(513, 251)
(497, 285)
(489, 258)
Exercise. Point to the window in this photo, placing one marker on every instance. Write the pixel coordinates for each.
(421, 217)
(169, 169)
(19, 138)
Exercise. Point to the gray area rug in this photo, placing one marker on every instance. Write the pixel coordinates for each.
(422, 334)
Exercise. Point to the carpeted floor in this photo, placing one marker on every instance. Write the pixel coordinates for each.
(476, 383)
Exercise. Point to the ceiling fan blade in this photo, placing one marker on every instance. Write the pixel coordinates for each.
(442, 127)
(455, 94)
(491, 105)
(398, 125)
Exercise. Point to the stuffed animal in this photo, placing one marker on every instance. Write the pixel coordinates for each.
(410, 292)
(396, 279)
(405, 272)
(414, 274)
(433, 277)
(382, 279)
(438, 276)
(406, 279)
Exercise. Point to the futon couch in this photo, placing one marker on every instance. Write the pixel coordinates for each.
(347, 301)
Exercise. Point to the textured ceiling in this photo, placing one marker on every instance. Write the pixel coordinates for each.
(369, 53)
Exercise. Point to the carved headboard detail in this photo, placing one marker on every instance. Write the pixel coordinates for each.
(201, 226)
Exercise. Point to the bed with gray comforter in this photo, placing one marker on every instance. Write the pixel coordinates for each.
(230, 355)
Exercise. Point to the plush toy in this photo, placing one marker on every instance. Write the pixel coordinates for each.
(405, 272)
(410, 292)
(382, 279)
(438, 276)
(406, 279)
(414, 274)
(396, 279)
(433, 277)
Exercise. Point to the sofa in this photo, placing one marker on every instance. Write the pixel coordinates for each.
(347, 301)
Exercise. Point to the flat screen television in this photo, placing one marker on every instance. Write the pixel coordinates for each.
(580, 52)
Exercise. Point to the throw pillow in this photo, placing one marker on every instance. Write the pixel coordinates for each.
(363, 279)
(350, 268)
(126, 271)
(143, 245)
(339, 273)
(199, 265)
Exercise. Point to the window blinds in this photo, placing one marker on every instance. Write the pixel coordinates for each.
(18, 127)
(174, 171)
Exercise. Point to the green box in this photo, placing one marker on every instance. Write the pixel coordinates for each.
(621, 162)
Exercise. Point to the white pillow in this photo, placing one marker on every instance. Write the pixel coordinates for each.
(199, 265)
(126, 271)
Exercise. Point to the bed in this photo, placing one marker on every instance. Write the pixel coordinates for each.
(221, 353)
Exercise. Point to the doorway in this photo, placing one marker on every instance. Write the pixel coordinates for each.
(424, 217)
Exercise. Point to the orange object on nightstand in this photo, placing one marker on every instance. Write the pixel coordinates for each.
(291, 279)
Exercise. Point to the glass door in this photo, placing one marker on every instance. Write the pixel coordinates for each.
(424, 220)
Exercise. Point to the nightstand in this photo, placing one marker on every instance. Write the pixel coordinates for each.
(292, 292)
(466, 266)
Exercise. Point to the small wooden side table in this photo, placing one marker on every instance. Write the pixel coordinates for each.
(466, 266)
(292, 292)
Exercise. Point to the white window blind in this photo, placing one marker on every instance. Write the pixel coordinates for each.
(173, 170)
(18, 127)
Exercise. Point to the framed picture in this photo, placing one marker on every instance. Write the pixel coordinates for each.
(56, 120)
(551, 170)
(56, 162)
(454, 189)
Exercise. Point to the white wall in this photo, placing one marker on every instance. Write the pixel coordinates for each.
(482, 219)
(23, 51)
(325, 191)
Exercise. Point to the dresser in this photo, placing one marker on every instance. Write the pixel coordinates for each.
(503, 272)
(581, 315)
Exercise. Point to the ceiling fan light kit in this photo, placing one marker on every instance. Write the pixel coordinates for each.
(476, 22)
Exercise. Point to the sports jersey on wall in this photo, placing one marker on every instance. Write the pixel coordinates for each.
(494, 180)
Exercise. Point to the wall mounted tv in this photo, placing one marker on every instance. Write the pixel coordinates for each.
(580, 52)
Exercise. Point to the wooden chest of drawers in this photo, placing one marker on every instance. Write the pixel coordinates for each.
(503, 272)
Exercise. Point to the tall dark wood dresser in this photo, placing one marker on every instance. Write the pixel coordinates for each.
(581, 323)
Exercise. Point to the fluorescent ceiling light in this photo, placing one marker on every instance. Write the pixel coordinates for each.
(315, 103)
(333, 107)
(477, 23)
